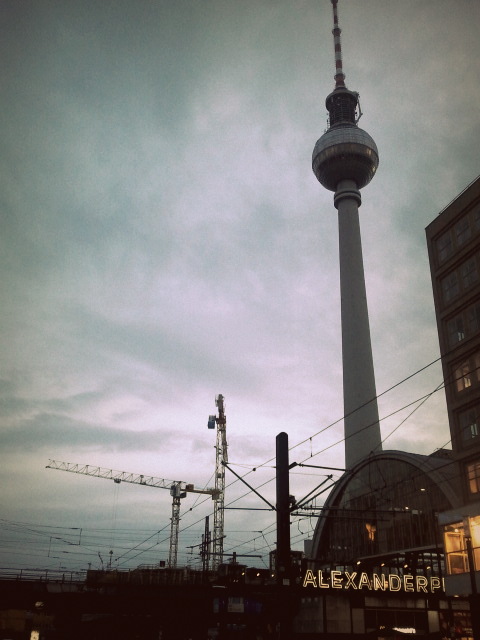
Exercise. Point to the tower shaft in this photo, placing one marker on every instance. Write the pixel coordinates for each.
(344, 160)
(362, 429)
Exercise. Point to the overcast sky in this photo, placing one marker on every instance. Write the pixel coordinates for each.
(163, 240)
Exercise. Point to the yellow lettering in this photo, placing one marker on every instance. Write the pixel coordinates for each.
(336, 578)
(309, 578)
(364, 581)
(408, 583)
(321, 583)
(379, 582)
(394, 582)
(435, 584)
(422, 583)
(350, 580)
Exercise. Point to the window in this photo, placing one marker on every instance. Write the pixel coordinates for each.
(469, 273)
(467, 373)
(371, 531)
(454, 536)
(455, 548)
(462, 377)
(462, 231)
(465, 325)
(444, 246)
(473, 319)
(473, 476)
(450, 287)
(456, 331)
(469, 423)
(474, 523)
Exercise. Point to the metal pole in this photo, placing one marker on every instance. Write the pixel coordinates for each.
(283, 511)
(283, 556)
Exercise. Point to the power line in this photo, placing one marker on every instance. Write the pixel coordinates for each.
(136, 546)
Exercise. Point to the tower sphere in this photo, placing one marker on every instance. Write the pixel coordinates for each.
(344, 152)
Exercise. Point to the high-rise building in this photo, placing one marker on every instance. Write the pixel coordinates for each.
(344, 160)
(453, 240)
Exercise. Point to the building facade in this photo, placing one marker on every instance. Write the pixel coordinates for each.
(453, 240)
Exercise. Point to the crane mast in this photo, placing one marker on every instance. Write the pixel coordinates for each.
(219, 498)
(177, 495)
(178, 490)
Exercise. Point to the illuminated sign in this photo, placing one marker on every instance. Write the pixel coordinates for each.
(355, 580)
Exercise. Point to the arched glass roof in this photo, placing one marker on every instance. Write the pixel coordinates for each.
(386, 503)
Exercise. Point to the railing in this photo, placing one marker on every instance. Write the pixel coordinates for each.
(42, 575)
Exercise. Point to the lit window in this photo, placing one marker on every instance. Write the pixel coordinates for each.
(473, 475)
(469, 273)
(454, 536)
(455, 548)
(462, 377)
(450, 287)
(474, 522)
(371, 531)
(444, 246)
(462, 231)
(456, 331)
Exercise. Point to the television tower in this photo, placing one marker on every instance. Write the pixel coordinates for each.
(344, 161)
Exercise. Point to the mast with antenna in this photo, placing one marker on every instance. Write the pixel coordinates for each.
(339, 75)
(344, 161)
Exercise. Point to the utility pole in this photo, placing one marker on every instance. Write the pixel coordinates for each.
(283, 556)
(283, 560)
(205, 553)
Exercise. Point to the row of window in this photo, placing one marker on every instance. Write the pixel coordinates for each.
(467, 374)
(458, 235)
(464, 325)
(460, 279)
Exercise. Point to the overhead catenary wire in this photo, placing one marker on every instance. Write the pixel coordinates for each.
(125, 552)
(421, 399)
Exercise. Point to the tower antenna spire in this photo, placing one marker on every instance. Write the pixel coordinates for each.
(339, 75)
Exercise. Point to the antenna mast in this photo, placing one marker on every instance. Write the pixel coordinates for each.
(339, 75)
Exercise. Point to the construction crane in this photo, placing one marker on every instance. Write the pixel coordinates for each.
(219, 498)
(178, 490)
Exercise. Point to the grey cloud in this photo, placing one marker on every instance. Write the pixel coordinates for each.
(50, 431)
(163, 237)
